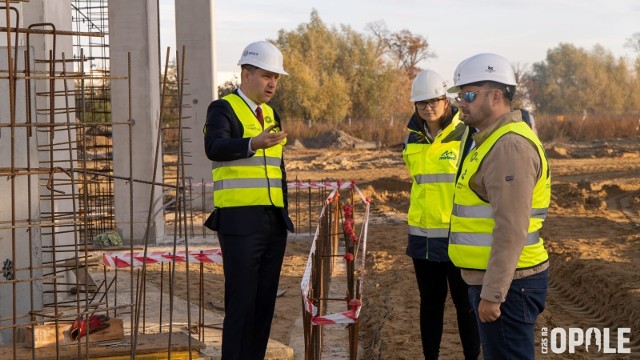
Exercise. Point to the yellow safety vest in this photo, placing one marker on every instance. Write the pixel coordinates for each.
(433, 167)
(255, 180)
(472, 219)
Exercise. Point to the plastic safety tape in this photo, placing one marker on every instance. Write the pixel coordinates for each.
(125, 259)
(303, 184)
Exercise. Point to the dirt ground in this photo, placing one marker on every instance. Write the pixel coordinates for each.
(592, 234)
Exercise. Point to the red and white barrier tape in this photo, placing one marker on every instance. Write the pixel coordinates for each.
(124, 259)
(341, 185)
(345, 317)
(302, 184)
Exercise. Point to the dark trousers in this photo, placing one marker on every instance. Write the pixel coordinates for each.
(252, 266)
(511, 336)
(432, 279)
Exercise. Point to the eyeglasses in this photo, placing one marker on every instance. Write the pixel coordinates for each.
(433, 103)
(470, 96)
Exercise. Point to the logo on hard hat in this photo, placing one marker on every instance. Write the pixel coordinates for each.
(490, 69)
(247, 52)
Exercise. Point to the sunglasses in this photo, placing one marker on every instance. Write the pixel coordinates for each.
(433, 103)
(470, 96)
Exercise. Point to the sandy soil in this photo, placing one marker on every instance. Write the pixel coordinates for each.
(592, 234)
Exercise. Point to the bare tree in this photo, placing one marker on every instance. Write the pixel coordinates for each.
(520, 70)
(409, 49)
(522, 98)
(633, 43)
(404, 48)
(380, 35)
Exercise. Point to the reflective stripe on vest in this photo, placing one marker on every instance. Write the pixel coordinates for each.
(472, 218)
(245, 184)
(435, 178)
(252, 161)
(430, 233)
(479, 239)
(433, 166)
(255, 180)
(487, 212)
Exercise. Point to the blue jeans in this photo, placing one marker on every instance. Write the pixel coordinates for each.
(511, 335)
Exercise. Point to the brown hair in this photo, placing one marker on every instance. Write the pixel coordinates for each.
(249, 67)
(447, 115)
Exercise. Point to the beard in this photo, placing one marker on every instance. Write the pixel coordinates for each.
(467, 119)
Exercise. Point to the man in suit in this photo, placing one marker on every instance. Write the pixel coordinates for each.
(244, 139)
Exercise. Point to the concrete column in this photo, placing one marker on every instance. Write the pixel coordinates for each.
(16, 205)
(133, 28)
(195, 29)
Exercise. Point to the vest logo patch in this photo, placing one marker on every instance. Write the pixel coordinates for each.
(462, 176)
(268, 120)
(448, 155)
(474, 157)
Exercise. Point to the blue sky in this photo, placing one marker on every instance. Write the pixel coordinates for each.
(521, 30)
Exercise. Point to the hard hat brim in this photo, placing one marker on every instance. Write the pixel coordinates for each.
(264, 67)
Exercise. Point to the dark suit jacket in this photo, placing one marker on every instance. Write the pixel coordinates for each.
(223, 141)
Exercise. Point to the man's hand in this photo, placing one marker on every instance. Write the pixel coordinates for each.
(488, 311)
(267, 139)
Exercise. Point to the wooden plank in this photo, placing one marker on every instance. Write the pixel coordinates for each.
(146, 344)
(45, 335)
(175, 355)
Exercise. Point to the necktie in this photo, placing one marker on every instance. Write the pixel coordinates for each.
(259, 115)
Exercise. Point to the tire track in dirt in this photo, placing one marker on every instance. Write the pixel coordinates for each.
(574, 307)
(626, 204)
(594, 260)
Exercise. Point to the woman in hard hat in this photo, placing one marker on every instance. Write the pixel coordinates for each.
(243, 138)
(432, 154)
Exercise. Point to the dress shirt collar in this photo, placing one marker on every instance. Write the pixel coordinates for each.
(251, 104)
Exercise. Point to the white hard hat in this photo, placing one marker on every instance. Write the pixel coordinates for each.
(483, 67)
(264, 55)
(428, 84)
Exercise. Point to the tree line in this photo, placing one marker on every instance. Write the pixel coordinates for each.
(338, 74)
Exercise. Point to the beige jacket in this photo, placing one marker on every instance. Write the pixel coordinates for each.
(514, 156)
